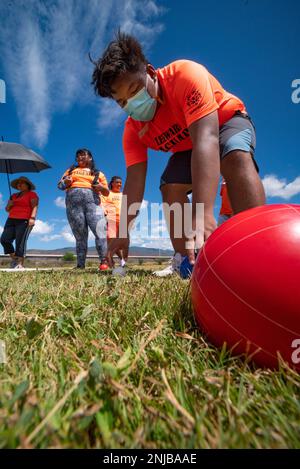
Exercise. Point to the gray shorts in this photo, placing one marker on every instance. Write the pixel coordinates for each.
(236, 134)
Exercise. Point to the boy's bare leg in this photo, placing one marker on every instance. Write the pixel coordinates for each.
(119, 253)
(245, 188)
(176, 193)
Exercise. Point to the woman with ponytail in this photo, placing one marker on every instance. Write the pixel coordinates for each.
(84, 184)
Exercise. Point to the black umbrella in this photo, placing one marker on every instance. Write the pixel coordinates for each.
(16, 158)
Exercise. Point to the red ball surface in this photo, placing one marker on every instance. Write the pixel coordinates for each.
(246, 285)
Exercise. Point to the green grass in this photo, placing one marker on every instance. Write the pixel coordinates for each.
(99, 361)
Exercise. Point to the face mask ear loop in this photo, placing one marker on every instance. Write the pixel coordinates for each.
(146, 85)
(157, 98)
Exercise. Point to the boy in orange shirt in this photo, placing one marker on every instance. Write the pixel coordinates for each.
(180, 108)
(112, 208)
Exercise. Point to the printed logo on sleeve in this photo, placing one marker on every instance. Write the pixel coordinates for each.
(193, 98)
(193, 101)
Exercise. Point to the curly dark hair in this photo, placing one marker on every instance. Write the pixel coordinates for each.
(122, 55)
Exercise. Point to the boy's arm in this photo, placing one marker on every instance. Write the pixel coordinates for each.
(134, 190)
(131, 200)
(136, 161)
(205, 168)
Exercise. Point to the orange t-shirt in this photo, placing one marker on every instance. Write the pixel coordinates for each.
(112, 205)
(81, 177)
(189, 92)
(22, 207)
(226, 208)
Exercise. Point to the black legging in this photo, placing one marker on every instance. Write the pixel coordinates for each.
(15, 229)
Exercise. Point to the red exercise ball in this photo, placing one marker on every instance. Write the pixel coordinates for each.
(246, 285)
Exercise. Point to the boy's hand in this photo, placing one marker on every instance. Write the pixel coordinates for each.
(117, 245)
(197, 242)
(209, 226)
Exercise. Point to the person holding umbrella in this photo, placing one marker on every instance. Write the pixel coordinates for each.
(22, 208)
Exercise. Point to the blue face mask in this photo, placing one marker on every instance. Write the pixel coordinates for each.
(141, 107)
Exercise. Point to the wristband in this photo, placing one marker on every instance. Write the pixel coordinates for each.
(32, 218)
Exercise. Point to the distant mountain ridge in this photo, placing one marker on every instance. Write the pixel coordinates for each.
(133, 251)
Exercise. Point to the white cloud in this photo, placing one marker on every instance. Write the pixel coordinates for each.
(67, 234)
(110, 114)
(137, 19)
(276, 187)
(42, 228)
(60, 202)
(44, 48)
(46, 233)
(49, 238)
(157, 244)
(45, 230)
(150, 241)
(58, 220)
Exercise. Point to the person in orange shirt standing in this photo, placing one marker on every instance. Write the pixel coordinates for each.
(226, 211)
(180, 108)
(112, 208)
(83, 184)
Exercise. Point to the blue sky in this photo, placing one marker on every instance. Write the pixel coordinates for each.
(251, 46)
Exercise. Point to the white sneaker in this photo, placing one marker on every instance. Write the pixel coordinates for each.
(172, 268)
(19, 267)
